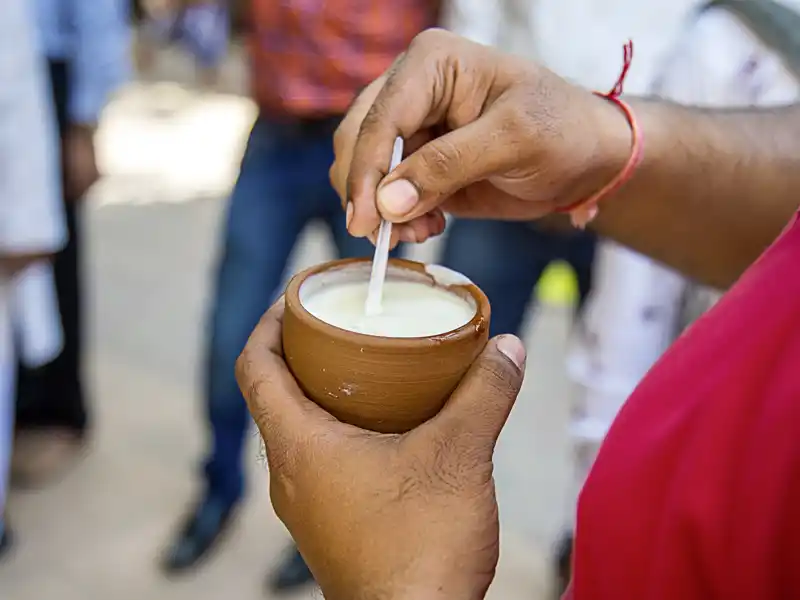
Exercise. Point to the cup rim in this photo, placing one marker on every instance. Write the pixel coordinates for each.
(293, 303)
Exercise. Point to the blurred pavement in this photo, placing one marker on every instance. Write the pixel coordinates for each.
(169, 156)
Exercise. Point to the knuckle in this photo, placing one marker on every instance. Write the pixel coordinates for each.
(497, 378)
(333, 177)
(296, 465)
(532, 117)
(515, 127)
(252, 382)
(440, 158)
(391, 72)
(243, 368)
(447, 466)
(350, 186)
(281, 494)
(427, 39)
(260, 411)
(284, 453)
(336, 183)
(282, 484)
(340, 137)
(373, 119)
(281, 458)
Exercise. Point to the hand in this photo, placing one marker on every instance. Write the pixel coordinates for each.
(487, 136)
(385, 516)
(11, 264)
(80, 163)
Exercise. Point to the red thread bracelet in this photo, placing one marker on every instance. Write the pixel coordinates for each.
(583, 211)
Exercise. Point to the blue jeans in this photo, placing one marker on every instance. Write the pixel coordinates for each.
(283, 186)
(506, 260)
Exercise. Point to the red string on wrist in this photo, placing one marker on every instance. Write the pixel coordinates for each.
(583, 211)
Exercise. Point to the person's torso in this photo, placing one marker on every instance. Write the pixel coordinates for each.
(696, 492)
(310, 58)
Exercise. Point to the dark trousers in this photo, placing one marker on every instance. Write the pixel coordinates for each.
(506, 260)
(282, 187)
(52, 396)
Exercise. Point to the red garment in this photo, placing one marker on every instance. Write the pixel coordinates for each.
(311, 57)
(696, 491)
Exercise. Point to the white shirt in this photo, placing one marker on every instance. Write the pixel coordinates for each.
(580, 40)
(31, 211)
(31, 215)
(708, 60)
(718, 62)
(634, 311)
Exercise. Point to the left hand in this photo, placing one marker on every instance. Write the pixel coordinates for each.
(377, 515)
(80, 162)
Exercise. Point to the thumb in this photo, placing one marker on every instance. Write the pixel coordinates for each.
(479, 407)
(440, 168)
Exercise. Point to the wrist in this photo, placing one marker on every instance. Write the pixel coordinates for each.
(421, 587)
(623, 207)
(423, 593)
(87, 129)
(614, 138)
(456, 591)
(612, 154)
(458, 585)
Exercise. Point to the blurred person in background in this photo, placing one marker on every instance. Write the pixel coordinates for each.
(511, 257)
(635, 309)
(731, 54)
(86, 43)
(309, 60)
(201, 27)
(32, 225)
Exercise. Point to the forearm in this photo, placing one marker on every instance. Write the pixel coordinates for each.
(714, 188)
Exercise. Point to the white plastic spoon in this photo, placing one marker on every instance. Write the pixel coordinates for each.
(374, 304)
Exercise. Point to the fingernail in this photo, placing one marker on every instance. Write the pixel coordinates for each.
(348, 215)
(398, 197)
(512, 347)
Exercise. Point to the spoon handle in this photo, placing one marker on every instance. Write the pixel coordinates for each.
(380, 262)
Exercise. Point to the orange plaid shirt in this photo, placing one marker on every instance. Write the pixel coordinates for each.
(311, 57)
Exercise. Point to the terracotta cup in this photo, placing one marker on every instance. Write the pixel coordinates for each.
(384, 384)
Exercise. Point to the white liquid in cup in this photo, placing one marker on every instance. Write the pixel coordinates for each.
(409, 309)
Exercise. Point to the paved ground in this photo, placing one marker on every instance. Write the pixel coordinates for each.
(169, 156)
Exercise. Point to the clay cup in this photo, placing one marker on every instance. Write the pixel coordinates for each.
(388, 385)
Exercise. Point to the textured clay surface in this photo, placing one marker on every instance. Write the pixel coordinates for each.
(389, 385)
